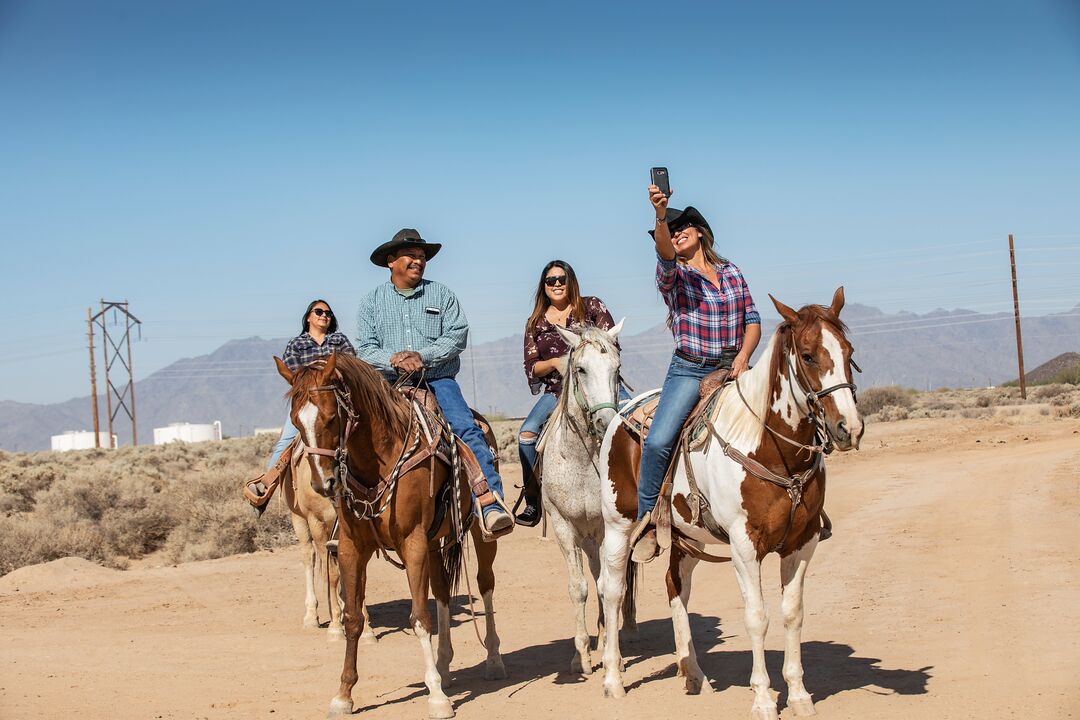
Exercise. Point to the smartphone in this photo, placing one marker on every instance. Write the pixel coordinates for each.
(660, 179)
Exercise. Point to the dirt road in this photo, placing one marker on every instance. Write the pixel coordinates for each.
(949, 591)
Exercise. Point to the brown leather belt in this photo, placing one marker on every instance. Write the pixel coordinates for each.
(707, 362)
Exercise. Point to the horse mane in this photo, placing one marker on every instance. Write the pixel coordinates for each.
(588, 334)
(735, 423)
(370, 392)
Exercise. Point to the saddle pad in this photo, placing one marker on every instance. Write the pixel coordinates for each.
(639, 414)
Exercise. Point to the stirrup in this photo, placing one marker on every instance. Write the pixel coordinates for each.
(486, 534)
(640, 541)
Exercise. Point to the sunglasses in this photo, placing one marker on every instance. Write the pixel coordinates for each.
(319, 312)
(555, 280)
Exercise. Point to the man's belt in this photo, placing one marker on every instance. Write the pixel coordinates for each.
(726, 358)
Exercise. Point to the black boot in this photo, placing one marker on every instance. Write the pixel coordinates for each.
(530, 516)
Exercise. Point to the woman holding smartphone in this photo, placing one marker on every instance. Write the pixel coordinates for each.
(715, 324)
(558, 302)
(319, 338)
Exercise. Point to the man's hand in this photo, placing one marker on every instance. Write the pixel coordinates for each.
(406, 362)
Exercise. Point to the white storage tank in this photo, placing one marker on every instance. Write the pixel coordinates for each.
(81, 440)
(188, 432)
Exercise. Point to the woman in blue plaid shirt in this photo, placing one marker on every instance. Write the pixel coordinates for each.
(318, 339)
(715, 324)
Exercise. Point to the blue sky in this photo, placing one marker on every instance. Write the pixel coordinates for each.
(220, 163)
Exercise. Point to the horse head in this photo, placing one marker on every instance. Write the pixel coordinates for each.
(591, 373)
(816, 360)
(315, 411)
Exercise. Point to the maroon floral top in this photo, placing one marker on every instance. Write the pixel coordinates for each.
(545, 343)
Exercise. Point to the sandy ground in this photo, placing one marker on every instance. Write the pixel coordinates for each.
(948, 591)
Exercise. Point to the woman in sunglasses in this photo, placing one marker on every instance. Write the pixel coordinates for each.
(318, 339)
(558, 301)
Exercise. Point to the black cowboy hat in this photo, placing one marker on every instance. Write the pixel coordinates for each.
(678, 219)
(406, 237)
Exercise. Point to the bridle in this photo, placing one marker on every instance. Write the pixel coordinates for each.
(814, 409)
(579, 397)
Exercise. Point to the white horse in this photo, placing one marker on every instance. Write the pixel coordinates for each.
(313, 517)
(760, 482)
(571, 479)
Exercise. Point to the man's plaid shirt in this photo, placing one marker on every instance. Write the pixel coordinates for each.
(303, 349)
(705, 320)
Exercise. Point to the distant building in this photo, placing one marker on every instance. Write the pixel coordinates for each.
(268, 431)
(187, 432)
(81, 440)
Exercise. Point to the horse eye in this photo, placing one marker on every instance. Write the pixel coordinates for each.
(581, 370)
(807, 357)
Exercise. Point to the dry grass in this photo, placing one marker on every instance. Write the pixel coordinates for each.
(885, 404)
(180, 502)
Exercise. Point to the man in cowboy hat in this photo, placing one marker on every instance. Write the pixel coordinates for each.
(409, 324)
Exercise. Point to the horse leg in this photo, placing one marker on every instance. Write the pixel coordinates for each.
(756, 616)
(353, 562)
(792, 575)
(327, 581)
(679, 574)
(616, 556)
(440, 589)
(307, 553)
(368, 637)
(414, 553)
(578, 589)
(485, 585)
(592, 554)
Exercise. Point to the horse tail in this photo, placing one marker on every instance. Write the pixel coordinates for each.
(629, 604)
(451, 561)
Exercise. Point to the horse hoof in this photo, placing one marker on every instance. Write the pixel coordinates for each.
(339, 707)
(495, 670)
(580, 665)
(439, 709)
(310, 622)
(764, 713)
(803, 707)
(697, 685)
(614, 690)
(369, 639)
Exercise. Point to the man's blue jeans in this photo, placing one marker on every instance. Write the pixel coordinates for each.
(457, 413)
(677, 398)
(288, 432)
(534, 423)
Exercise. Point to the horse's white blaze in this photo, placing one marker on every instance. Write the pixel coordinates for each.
(307, 416)
(786, 406)
(844, 399)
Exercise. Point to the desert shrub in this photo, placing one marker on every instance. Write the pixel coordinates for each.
(1061, 400)
(976, 412)
(1009, 411)
(873, 400)
(983, 401)
(938, 404)
(1050, 391)
(1073, 411)
(890, 413)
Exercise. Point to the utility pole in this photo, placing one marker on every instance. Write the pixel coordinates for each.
(1016, 312)
(93, 378)
(125, 393)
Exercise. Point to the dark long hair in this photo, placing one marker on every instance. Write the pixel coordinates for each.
(333, 318)
(573, 294)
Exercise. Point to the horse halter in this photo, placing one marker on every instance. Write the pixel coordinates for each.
(814, 409)
(340, 454)
(579, 397)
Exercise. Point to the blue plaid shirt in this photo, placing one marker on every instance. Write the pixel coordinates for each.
(429, 322)
(303, 349)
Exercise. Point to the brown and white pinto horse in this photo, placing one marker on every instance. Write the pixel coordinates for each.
(780, 416)
(348, 414)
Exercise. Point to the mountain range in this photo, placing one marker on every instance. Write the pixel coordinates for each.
(238, 384)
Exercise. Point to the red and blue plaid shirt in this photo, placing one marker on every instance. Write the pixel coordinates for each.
(706, 320)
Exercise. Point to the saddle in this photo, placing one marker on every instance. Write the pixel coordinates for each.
(638, 416)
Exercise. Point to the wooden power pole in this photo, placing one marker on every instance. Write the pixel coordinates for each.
(1016, 312)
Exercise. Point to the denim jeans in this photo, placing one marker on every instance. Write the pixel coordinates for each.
(288, 432)
(457, 413)
(534, 423)
(677, 398)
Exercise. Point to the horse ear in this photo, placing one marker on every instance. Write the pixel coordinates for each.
(614, 332)
(571, 338)
(837, 301)
(283, 370)
(331, 364)
(785, 312)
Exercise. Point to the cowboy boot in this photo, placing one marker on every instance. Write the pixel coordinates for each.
(530, 494)
(258, 491)
(643, 541)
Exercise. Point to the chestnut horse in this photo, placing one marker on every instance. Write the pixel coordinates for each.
(759, 484)
(360, 434)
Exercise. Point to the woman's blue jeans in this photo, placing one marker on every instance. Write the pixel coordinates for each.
(288, 432)
(535, 421)
(677, 398)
